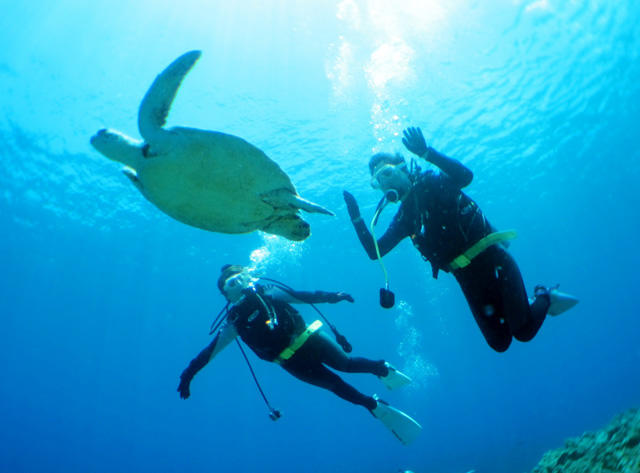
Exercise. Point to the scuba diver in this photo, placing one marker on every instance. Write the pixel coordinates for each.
(262, 315)
(450, 231)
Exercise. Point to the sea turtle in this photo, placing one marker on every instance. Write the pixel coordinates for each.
(207, 179)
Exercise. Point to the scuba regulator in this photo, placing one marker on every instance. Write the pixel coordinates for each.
(387, 297)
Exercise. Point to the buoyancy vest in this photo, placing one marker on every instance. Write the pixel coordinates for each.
(447, 221)
(267, 325)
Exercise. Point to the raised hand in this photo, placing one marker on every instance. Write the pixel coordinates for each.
(414, 141)
(352, 205)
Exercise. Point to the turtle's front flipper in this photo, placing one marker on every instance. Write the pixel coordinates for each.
(308, 206)
(157, 101)
(281, 198)
(133, 177)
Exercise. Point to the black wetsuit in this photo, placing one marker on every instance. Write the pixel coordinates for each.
(268, 325)
(443, 222)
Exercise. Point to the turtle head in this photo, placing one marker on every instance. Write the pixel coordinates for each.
(299, 230)
(290, 226)
(118, 147)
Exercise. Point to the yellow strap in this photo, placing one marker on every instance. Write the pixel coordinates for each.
(375, 244)
(299, 341)
(491, 239)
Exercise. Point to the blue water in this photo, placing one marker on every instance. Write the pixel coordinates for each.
(104, 299)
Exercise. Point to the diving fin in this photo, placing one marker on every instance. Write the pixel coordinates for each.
(394, 379)
(400, 424)
(560, 301)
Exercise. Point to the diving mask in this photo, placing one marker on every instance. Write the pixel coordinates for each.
(236, 284)
(385, 174)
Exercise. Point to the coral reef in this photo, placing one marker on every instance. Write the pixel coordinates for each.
(616, 448)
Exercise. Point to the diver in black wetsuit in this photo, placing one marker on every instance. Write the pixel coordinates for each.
(275, 331)
(451, 232)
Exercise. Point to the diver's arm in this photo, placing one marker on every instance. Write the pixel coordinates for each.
(387, 242)
(414, 141)
(460, 175)
(292, 296)
(394, 234)
(224, 336)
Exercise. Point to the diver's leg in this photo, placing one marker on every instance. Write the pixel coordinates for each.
(524, 320)
(329, 353)
(479, 283)
(319, 375)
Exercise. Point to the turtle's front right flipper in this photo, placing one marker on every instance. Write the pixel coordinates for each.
(157, 101)
(284, 199)
(308, 206)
